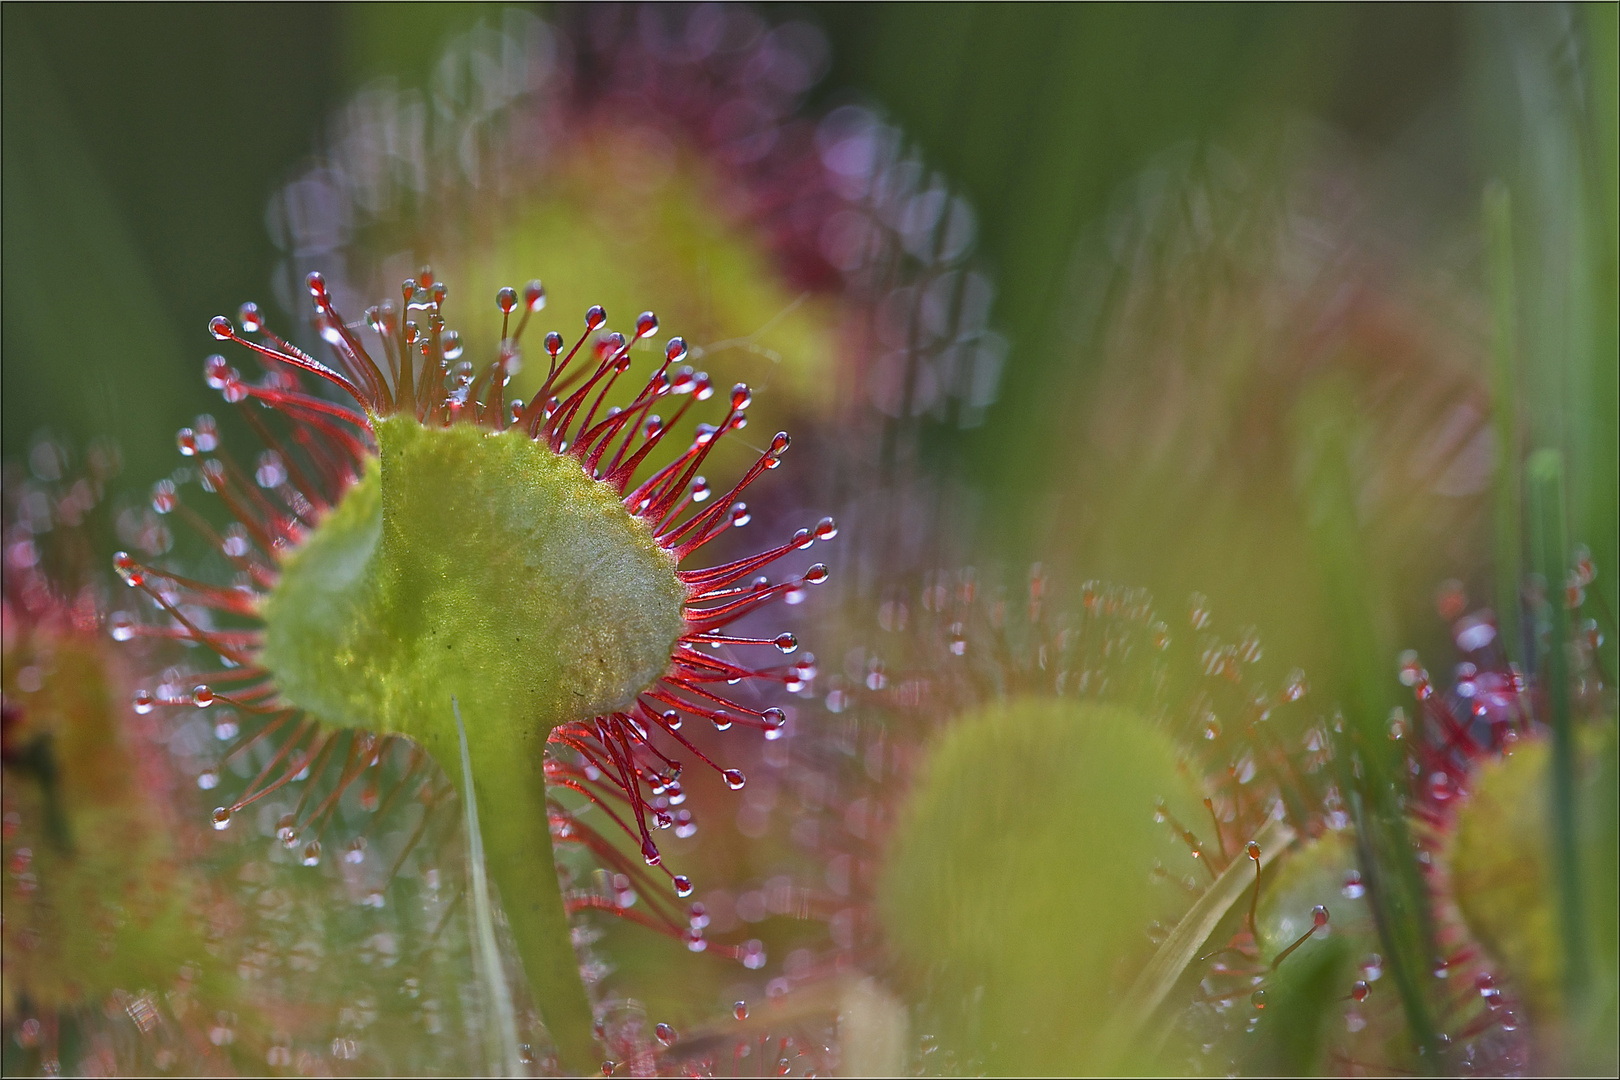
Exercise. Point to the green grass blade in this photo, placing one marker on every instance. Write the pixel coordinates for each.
(500, 1019)
(1545, 473)
(1505, 397)
(1151, 987)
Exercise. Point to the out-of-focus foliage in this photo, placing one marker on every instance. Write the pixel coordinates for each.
(1051, 113)
(140, 146)
(1545, 85)
(1045, 113)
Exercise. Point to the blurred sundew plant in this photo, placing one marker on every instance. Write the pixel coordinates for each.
(103, 914)
(665, 154)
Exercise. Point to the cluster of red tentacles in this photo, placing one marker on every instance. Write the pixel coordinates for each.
(1485, 709)
(1490, 703)
(611, 760)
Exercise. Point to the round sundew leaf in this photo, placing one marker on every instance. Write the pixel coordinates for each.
(1020, 883)
(1322, 872)
(1501, 876)
(478, 565)
(1304, 998)
(1307, 997)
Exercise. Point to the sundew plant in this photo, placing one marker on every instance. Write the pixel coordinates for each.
(583, 631)
(1178, 638)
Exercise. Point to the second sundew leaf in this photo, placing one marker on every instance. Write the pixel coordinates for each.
(1295, 1030)
(1312, 1012)
(615, 224)
(1319, 873)
(1022, 864)
(1502, 871)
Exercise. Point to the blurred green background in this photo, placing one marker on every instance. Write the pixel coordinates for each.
(141, 144)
